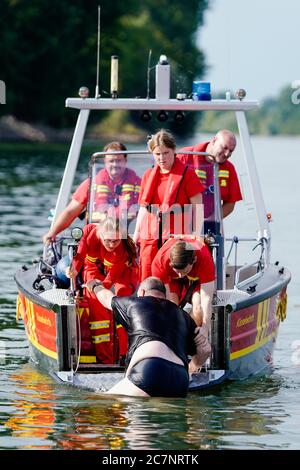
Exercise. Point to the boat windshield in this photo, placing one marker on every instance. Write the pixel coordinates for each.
(208, 175)
(115, 186)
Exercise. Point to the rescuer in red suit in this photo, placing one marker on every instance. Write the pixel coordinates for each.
(115, 185)
(170, 192)
(220, 149)
(110, 259)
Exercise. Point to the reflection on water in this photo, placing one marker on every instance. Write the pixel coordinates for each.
(38, 413)
(49, 416)
(34, 415)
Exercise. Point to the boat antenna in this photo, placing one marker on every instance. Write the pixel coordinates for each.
(148, 74)
(98, 55)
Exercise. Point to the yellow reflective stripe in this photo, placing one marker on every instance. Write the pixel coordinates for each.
(101, 338)
(107, 263)
(137, 188)
(201, 174)
(103, 189)
(19, 308)
(223, 174)
(126, 185)
(91, 259)
(94, 325)
(119, 326)
(87, 359)
(253, 347)
(193, 278)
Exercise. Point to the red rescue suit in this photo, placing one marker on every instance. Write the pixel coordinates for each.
(203, 269)
(168, 194)
(113, 268)
(106, 194)
(229, 183)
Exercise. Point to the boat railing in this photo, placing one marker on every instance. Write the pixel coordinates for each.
(259, 264)
(239, 284)
(143, 152)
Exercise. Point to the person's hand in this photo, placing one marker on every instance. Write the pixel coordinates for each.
(202, 344)
(48, 238)
(91, 284)
(70, 272)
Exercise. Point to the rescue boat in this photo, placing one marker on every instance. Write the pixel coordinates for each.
(250, 299)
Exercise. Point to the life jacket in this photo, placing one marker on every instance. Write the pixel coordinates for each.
(175, 179)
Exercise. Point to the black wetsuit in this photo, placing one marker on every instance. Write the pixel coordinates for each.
(151, 319)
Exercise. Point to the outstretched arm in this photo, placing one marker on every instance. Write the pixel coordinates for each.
(64, 220)
(206, 294)
(227, 208)
(103, 295)
(203, 350)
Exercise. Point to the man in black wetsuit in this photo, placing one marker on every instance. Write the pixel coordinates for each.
(160, 336)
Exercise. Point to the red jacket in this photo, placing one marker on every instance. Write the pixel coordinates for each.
(163, 191)
(105, 192)
(203, 269)
(229, 184)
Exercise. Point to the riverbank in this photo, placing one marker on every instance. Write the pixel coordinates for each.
(15, 130)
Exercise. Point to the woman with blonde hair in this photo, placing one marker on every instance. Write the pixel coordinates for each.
(169, 191)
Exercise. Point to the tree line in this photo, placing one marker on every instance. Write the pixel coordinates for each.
(48, 50)
(276, 115)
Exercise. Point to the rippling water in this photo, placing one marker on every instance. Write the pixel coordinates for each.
(38, 413)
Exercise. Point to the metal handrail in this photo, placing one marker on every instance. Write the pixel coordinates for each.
(242, 239)
(239, 285)
(143, 152)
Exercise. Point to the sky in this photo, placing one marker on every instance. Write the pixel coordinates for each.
(251, 44)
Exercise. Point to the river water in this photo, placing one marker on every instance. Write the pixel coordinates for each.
(38, 413)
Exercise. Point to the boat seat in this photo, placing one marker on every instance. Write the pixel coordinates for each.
(56, 296)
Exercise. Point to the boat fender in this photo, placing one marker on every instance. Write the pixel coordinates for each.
(281, 308)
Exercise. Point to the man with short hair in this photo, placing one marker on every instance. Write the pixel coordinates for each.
(160, 337)
(220, 149)
(114, 183)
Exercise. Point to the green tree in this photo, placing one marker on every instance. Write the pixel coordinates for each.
(48, 49)
(276, 115)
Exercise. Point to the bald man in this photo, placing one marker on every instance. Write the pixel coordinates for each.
(160, 338)
(220, 148)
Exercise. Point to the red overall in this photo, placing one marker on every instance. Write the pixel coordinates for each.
(161, 192)
(105, 194)
(229, 183)
(113, 268)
